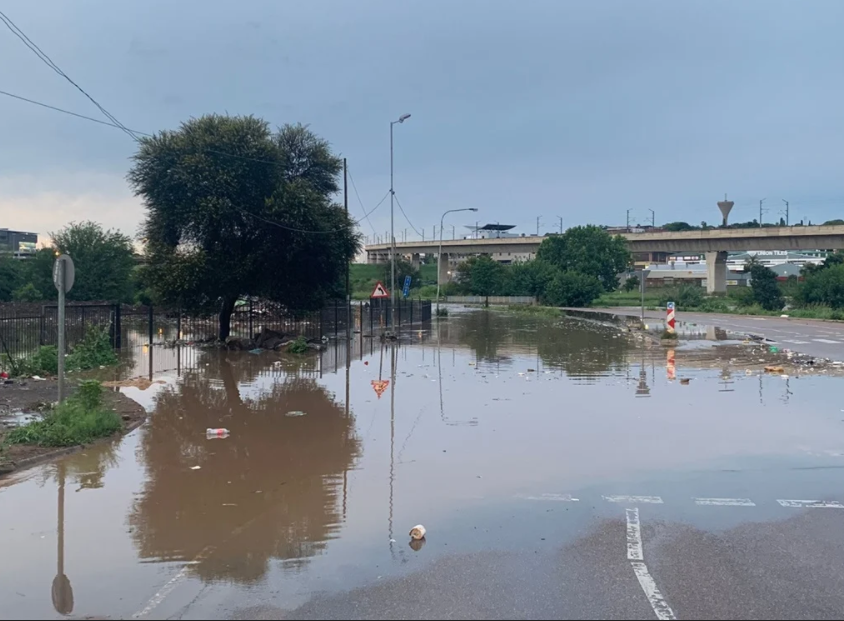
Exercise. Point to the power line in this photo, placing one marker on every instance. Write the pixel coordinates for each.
(76, 114)
(361, 202)
(20, 34)
(405, 216)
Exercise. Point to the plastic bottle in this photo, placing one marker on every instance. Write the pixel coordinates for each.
(216, 433)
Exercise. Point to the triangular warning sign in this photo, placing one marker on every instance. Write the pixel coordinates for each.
(380, 291)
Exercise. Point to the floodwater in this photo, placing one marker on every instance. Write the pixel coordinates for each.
(477, 430)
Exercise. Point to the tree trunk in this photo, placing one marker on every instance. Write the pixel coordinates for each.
(226, 310)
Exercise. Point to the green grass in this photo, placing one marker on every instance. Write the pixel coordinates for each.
(532, 309)
(627, 298)
(81, 419)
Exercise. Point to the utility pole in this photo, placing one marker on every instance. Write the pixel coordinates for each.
(348, 277)
(628, 220)
(786, 211)
(537, 225)
(653, 218)
(760, 211)
(560, 218)
(453, 232)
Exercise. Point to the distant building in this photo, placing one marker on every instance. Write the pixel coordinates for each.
(738, 260)
(19, 244)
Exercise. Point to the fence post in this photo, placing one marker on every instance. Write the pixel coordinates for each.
(335, 321)
(411, 313)
(179, 324)
(118, 327)
(150, 326)
(41, 335)
(251, 332)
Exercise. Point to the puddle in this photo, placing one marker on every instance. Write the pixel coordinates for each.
(326, 468)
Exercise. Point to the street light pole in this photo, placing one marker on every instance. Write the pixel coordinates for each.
(440, 253)
(401, 119)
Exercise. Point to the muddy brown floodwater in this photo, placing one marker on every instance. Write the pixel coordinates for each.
(510, 437)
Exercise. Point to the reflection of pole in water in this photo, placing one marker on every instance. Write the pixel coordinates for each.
(392, 439)
(348, 432)
(726, 380)
(642, 389)
(62, 592)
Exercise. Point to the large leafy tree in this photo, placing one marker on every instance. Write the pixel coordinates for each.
(235, 209)
(589, 250)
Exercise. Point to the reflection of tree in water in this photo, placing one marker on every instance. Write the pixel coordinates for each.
(484, 332)
(270, 490)
(582, 349)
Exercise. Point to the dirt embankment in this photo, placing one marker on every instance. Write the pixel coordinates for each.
(33, 397)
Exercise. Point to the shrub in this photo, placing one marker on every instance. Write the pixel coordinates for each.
(685, 297)
(299, 346)
(92, 352)
(45, 361)
(442, 312)
(79, 420)
(572, 289)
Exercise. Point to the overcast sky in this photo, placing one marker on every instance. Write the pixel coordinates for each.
(520, 108)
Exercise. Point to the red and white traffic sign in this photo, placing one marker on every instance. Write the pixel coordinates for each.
(380, 291)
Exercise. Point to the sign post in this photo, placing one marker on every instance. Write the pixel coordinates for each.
(406, 289)
(63, 276)
(670, 321)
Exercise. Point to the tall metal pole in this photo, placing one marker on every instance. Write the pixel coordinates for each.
(642, 288)
(653, 218)
(392, 238)
(786, 211)
(560, 218)
(348, 276)
(760, 211)
(61, 313)
(440, 252)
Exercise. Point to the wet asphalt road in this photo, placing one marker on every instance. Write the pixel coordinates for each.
(561, 472)
(823, 339)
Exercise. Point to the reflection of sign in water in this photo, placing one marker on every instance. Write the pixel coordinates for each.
(670, 367)
(406, 289)
(380, 386)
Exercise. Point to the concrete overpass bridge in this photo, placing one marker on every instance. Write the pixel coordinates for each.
(714, 243)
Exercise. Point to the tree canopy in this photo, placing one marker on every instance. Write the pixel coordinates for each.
(589, 250)
(235, 209)
(766, 292)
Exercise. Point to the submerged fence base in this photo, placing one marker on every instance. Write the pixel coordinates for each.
(26, 327)
(493, 299)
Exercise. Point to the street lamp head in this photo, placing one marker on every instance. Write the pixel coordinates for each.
(403, 118)
(473, 208)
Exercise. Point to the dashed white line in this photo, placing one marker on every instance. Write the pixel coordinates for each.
(725, 502)
(648, 584)
(554, 498)
(811, 504)
(635, 551)
(648, 500)
(830, 342)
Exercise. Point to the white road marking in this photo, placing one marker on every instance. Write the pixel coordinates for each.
(159, 597)
(830, 342)
(554, 498)
(648, 500)
(635, 552)
(811, 504)
(793, 342)
(657, 601)
(725, 502)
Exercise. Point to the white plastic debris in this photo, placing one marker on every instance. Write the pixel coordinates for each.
(220, 432)
(195, 467)
(417, 532)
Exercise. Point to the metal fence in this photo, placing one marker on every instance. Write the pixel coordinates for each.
(493, 299)
(26, 327)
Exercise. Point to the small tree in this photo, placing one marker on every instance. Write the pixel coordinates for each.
(104, 260)
(766, 291)
(632, 283)
(404, 268)
(483, 276)
(824, 287)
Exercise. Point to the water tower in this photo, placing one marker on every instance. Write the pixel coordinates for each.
(725, 206)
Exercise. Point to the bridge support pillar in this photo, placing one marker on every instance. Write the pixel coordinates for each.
(415, 261)
(442, 273)
(716, 272)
